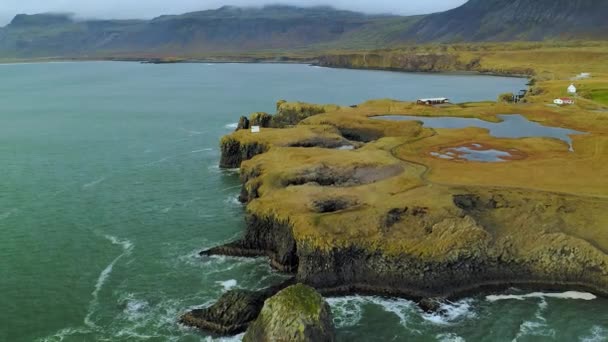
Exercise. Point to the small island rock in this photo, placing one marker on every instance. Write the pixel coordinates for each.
(297, 313)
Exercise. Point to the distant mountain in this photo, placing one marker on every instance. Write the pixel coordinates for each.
(285, 28)
(228, 29)
(502, 20)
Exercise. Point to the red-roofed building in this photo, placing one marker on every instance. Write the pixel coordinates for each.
(564, 101)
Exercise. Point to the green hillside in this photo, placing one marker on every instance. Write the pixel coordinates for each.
(232, 30)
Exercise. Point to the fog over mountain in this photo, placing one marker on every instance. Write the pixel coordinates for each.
(127, 9)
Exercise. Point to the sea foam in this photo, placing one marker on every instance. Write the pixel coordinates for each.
(127, 246)
(565, 295)
(348, 311)
(597, 334)
(232, 125)
(228, 284)
(449, 312)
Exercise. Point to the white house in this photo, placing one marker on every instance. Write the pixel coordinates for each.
(572, 89)
(433, 101)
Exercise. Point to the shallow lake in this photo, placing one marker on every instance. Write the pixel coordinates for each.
(512, 126)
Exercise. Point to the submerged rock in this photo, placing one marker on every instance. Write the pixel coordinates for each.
(297, 313)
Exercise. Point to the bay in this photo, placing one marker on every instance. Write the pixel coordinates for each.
(110, 187)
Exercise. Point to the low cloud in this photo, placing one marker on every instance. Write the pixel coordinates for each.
(126, 9)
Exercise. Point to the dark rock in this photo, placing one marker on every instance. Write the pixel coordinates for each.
(394, 216)
(260, 119)
(297, 313)
(234, 153)
(233, 312)
(431, 305)
(243, 123)
(265, 236)
(467, 202)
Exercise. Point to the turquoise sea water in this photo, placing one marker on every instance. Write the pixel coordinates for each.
(110, 187)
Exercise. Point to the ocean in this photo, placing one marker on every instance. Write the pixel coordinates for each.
(110, 187)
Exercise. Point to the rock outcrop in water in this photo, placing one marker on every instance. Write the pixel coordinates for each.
(297, 313)
(233, 312)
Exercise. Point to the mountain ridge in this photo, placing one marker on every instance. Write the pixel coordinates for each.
(283, 28)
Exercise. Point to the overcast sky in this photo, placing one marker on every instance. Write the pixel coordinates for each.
(122, 9)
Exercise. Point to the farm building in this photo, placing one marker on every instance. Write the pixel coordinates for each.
(572, 89)
(563, 101)
(433, 101)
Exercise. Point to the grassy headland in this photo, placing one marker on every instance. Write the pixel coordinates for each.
(389, 217)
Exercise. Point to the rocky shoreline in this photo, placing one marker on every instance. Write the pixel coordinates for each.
(316, 213)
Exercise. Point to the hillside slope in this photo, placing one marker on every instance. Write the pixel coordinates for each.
(277, 29)
(228, 29)
(502, 20)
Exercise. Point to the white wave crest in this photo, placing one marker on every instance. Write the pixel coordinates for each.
(449, 312)
(63, 333)
(597, 334)
(348, 311)
(565, 295)
(228, 284)
(93, 183)
(233, 200)
(538, 325)
(449, 337)
(236, 338)
(233, 125)
(127, 246)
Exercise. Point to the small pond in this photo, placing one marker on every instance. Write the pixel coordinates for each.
(512, 126)
(477, 153)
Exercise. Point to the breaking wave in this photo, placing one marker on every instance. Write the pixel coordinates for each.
(348, 311)
(127, 246)
(564, 295)
(232, 125)
(228, 284)
(597, 334)
(450, 312)
(449, 337)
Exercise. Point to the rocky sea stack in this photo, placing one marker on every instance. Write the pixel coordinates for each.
(297, 313)
(233, 312)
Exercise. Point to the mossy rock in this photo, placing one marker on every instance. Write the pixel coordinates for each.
(243, 123)
(291, 113)
(297, 313)
(260, 119)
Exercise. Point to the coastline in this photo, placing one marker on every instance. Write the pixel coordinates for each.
(254, 60)
(452, 240)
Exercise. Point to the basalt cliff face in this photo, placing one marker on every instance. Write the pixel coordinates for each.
(411, 60)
